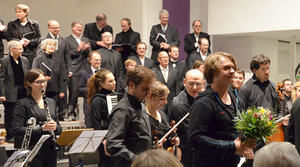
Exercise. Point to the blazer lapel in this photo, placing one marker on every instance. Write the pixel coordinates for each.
(160, 75)
(36, 110)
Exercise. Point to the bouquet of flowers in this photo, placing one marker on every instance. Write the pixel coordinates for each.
(256, 123)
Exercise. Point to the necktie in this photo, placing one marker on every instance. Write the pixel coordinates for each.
(165, 74)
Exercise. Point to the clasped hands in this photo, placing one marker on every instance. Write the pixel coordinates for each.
(164, 45)
(245, 148)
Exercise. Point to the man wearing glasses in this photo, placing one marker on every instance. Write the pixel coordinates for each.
(193, 84)
(12, 71)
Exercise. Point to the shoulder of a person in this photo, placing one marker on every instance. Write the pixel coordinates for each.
(33, 22)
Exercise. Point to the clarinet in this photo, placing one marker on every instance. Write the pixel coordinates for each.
(27, 137)
(48, 116)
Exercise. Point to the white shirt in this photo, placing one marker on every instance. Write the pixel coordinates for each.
(142, 60)
(78, 39)
(94, 70)
(165, 72)
(164, 28)
(203, 56)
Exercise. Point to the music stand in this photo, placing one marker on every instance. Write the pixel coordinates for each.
(87, 142)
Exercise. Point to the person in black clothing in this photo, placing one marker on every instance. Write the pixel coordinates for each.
(12, 71)
(286, 104)
(129, 131)
(194, 84)
(25, 30)
(34, 106)
(128, 37)
(121, 83)
(50, 63)
(2, 36)
(94, 31)
(211, 132)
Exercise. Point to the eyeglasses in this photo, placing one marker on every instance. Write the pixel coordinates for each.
(40, 81)
(192, 84)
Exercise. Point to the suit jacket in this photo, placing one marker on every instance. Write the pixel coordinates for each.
(58, 75)
(84, 77)
(147, 63)
(78, 58)
(190, 60)
(27, 108)
(93, 34)
(134, 38)
(171, 35)
(173, 81)
(2, 36)
(62, 51)
(7, 81)
(14, 33)
(190, 40)
(180, 66)
(111, 60)
(294, 125)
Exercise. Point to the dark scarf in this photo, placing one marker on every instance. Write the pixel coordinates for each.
(18, 71)
(126, 35)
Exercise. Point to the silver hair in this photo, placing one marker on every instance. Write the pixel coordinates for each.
(163, 11)
(45, 42)
(277, 154)
(13, 44)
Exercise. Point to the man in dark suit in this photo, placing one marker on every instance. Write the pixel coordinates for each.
(111, 59)
(12, 71)
(127, 36)
(2, 36)
(78, 50)
(163, 35)
(54, 30)
(167, 75)
(177, 64)
(140, 56)
(93, 31)
(191, 40)
(94, 59)
(203, 45)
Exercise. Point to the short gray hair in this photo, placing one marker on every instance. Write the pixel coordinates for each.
(45, 42)
(163, 11)
(277, 154)
(13, 44)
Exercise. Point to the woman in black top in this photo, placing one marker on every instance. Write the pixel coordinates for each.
(158, 119)
(25, 30)
(34, 106)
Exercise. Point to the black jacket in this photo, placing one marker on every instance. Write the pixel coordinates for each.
(294, 125)
(129, 131)
(14, 33)
(190, 40)
(212, 131)
(27, 108)
(257, 94)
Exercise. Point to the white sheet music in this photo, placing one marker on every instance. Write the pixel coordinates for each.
(112, 101)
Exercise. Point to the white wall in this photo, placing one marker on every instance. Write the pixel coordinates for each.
(239, 16)
(199, 10)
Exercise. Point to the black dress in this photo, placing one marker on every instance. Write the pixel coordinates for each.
(25, 109)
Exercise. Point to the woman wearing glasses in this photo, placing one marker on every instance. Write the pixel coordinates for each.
(34, 106)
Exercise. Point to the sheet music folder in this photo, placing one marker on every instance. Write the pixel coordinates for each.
(68, 137)
(88, 141)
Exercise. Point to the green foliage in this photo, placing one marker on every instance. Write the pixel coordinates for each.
(257, 123)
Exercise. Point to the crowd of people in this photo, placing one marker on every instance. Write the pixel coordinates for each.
(203, 92)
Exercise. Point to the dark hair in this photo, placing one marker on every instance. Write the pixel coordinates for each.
(139, 74)
(259, 60)
(127, 20)
(101, 17)
(240, 72)
(89, 58)
(287, 79)
(30, 77)
(93, 83)
(76, 22)
(197, 64)
(171, 47)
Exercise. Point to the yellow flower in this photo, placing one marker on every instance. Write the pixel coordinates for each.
(262, 110)
(269, 123)
(249, 111)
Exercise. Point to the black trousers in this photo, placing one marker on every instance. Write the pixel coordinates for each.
(187, 157)
(46, 157)
(73, 94)
(9, 108)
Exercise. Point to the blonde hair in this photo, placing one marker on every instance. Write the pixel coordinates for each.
(156, 158)
(212, 65)
(296, 86)
(23, 7)
(159, 89)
